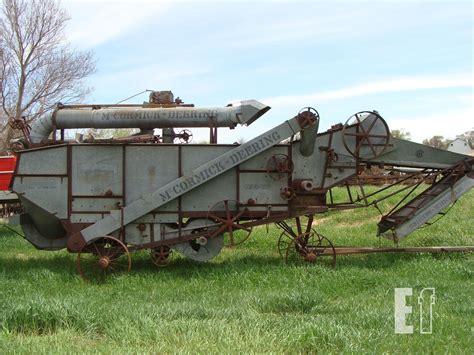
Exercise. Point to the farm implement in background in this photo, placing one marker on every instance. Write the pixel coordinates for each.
(103, 199)
(9, 203)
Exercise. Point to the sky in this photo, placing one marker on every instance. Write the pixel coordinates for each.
(412, 61)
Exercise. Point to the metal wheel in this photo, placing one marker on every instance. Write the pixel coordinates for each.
(283, 242)
(185, 136)
(307, 117)
(310, 247)
(226, 216)
(161, 256)
(366, 135)
(279, 165)
(101, 257)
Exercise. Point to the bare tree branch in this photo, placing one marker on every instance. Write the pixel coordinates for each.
(37, 68)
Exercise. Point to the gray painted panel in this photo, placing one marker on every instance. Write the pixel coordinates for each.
(261, 188)
(203, 197)
(50, 193)
(149, 168)
(84, 204)
(44, 161)
(135, 236)
(85, 217)
(260, 161)
(96, 169)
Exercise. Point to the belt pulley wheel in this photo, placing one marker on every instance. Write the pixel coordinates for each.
(310, 247)
(366, 135)
(102, 257)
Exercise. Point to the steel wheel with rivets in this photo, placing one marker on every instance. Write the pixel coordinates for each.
(161, 256)
(102, 257)
(311, 247)
(227, 216)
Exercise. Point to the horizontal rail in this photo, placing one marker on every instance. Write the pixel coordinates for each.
(367, 250)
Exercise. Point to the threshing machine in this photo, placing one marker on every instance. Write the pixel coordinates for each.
(102, 198)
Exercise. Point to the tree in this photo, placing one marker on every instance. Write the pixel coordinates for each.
(436, 142)
(37, 67)
(401, 134)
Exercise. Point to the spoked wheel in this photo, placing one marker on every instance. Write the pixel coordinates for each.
(310, 247)
(226, 216)
(279, 166)
(161, 256)
(185, 136)
(366, 135)
(307, 117)
(283, 242)
(102, 257)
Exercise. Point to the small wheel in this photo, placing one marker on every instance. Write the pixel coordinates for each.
(101, 257)
(279, 165)
(307, 117)
(161, 256)
(227, 216)
(185, 136)
(283, 242)
(366, 135)
(310, 247)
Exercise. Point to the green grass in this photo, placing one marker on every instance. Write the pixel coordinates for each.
(245, 300)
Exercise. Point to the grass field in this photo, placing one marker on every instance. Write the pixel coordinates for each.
(246, 299)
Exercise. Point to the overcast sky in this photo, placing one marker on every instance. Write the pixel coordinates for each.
(410, 61)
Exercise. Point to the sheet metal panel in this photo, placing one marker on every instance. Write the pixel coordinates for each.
(259, 162)
(96, 170)
(261, 188)
(50, 193)
(85, 204)
(147, 169)
(51, 161)
(202, 174)
(203, 197)
(85, 217)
